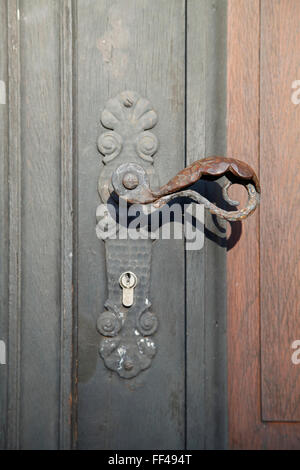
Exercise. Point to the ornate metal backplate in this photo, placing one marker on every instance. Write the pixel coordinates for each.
(127, 346)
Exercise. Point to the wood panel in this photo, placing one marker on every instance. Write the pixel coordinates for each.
(280, 239)
(14, 205)
(3, 218)
(40, 228)
(40, 147)
(247, 430)
(144, 51)
(206, 398)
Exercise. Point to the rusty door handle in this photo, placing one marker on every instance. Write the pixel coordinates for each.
(130, 182)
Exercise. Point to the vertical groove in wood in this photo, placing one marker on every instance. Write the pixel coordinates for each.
(14, 225)
(66, 360)
(215, 376)
(185, 257)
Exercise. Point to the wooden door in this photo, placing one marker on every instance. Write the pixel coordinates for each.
(62, 61)
(220, 76)
(263, 267)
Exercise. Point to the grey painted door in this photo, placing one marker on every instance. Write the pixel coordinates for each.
(60, 61)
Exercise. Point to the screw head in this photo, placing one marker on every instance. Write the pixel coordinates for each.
(130, 180)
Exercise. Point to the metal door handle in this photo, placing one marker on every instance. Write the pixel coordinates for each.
(130, 181)
(128, 322)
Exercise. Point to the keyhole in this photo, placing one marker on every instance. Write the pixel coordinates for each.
(128, 282)
(127, 279)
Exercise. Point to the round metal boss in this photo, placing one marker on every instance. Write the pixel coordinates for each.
(128, 178)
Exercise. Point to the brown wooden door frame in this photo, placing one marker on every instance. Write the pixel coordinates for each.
(261, 64)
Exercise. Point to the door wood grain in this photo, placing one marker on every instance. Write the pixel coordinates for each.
(262, 269)
(280, 238)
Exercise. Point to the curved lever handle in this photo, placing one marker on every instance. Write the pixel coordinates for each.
(131, 183)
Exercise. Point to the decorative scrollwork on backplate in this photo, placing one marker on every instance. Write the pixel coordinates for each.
(147, 323)
(109, 323)
(129, 118)
(110, 145)
(126, 346)
(146, 146)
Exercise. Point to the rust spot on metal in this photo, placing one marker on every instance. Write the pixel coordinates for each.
(211, 166)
